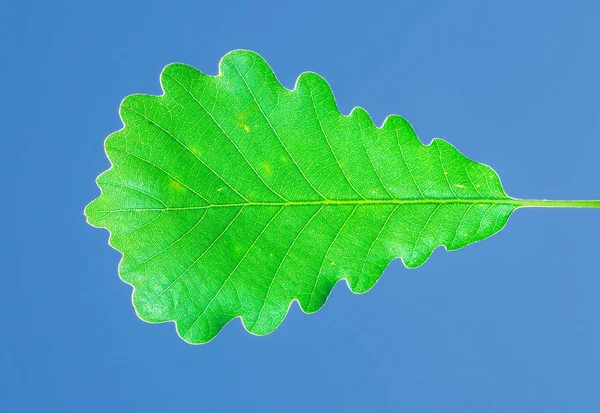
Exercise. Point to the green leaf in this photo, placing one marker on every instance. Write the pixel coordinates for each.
(231, 196)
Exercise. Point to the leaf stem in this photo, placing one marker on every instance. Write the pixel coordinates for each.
(519, 203)
(563, 203)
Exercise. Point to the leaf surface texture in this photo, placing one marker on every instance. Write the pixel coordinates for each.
(231, 196)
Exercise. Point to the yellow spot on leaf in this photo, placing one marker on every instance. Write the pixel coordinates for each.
(459, 185)
(266, 168)
(241, 118)
(176, 185)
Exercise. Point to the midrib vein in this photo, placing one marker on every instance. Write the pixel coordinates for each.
(542, 203)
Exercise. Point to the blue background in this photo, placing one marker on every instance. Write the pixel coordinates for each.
(511, 324)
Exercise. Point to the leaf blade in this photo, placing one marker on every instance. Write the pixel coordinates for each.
(231, 196)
